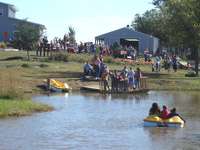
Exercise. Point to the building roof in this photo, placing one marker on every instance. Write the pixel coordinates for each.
(124, 29)
(21, 20)
(10, 5)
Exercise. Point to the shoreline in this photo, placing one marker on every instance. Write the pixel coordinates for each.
(19, 108)
(28, 76)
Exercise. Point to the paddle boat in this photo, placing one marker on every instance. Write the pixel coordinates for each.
(57, 86)
(155, 121)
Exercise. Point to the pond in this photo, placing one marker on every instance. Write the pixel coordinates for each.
(93, 121)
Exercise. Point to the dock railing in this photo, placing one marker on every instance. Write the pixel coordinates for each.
(120, 86)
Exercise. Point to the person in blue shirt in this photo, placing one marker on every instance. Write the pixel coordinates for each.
(88, 69)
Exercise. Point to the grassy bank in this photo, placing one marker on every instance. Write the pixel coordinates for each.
(30, 74)
(20, 107)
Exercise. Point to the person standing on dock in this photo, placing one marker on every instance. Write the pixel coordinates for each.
(114, 81)
(138, 75)
(131, 79)
(104, 78)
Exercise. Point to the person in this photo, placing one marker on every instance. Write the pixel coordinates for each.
(125, 72)
(104, 77)
(88, 69)
(137, 78)
(165, 112)
(131, 79)
(114, 81)
(174, 62)
(154, 110)
(173, 113)
(97, 62)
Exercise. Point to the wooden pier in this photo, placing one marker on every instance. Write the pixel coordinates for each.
(122, 87)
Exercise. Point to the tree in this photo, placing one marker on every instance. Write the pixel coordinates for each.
(27, 36)
(183, 19)
(151, 22)
(71, 35)
(176, 23)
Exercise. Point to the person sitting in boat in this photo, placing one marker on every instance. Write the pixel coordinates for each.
(174, 113)
(154, 110)
(165, 112)
(88, 69)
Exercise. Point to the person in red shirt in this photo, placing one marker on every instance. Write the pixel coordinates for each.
(165, 112)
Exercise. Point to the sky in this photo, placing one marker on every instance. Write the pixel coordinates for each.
(89, 18)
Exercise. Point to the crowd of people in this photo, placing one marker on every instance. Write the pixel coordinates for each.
(121, 80)
(168, 63)
(165, 113)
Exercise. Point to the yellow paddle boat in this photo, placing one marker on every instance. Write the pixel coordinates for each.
(155, 121)
(57, 86)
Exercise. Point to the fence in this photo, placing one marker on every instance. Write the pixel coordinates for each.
(115, 86)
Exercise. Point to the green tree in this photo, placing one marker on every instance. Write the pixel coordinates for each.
(183, 20)
(71, 35)
(152, 22)
(176, 23)
(27, 36)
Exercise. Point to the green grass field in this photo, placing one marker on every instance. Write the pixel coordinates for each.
(21, 108)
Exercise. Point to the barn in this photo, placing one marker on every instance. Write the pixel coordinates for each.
(129, 37)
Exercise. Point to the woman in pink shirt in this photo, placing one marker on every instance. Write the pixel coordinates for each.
(165, 112)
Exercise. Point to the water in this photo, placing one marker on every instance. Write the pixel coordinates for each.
(97, 122)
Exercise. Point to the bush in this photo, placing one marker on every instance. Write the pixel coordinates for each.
(25, 65)
(108, 59)
(3, 45)
(66, 57)
(81, 58)
(191, 74)
(43, 65)
(60, 57)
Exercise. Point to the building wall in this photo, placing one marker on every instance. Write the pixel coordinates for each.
(145, 41)
(8, 22)
(11, 13)
(7, 26)
(5, 10)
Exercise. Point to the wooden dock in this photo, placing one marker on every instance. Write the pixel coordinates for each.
(96, 88)
(91, 88)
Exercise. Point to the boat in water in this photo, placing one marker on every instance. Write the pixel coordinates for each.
(155, 121)
(58, 86)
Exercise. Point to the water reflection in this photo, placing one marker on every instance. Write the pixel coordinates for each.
(95, 121)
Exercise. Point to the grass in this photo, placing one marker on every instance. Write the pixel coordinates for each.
(30, 77)
(21, 108)
(19, 79)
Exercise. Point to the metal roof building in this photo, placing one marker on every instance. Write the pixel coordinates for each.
(127, 36)
(8, 22)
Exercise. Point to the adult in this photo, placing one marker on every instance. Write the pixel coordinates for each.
(105, 78)
(137, 78)
(154, 110)
(88, 69)
(174, 62)
(131, 79)
(97, 63)
(124, 72)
